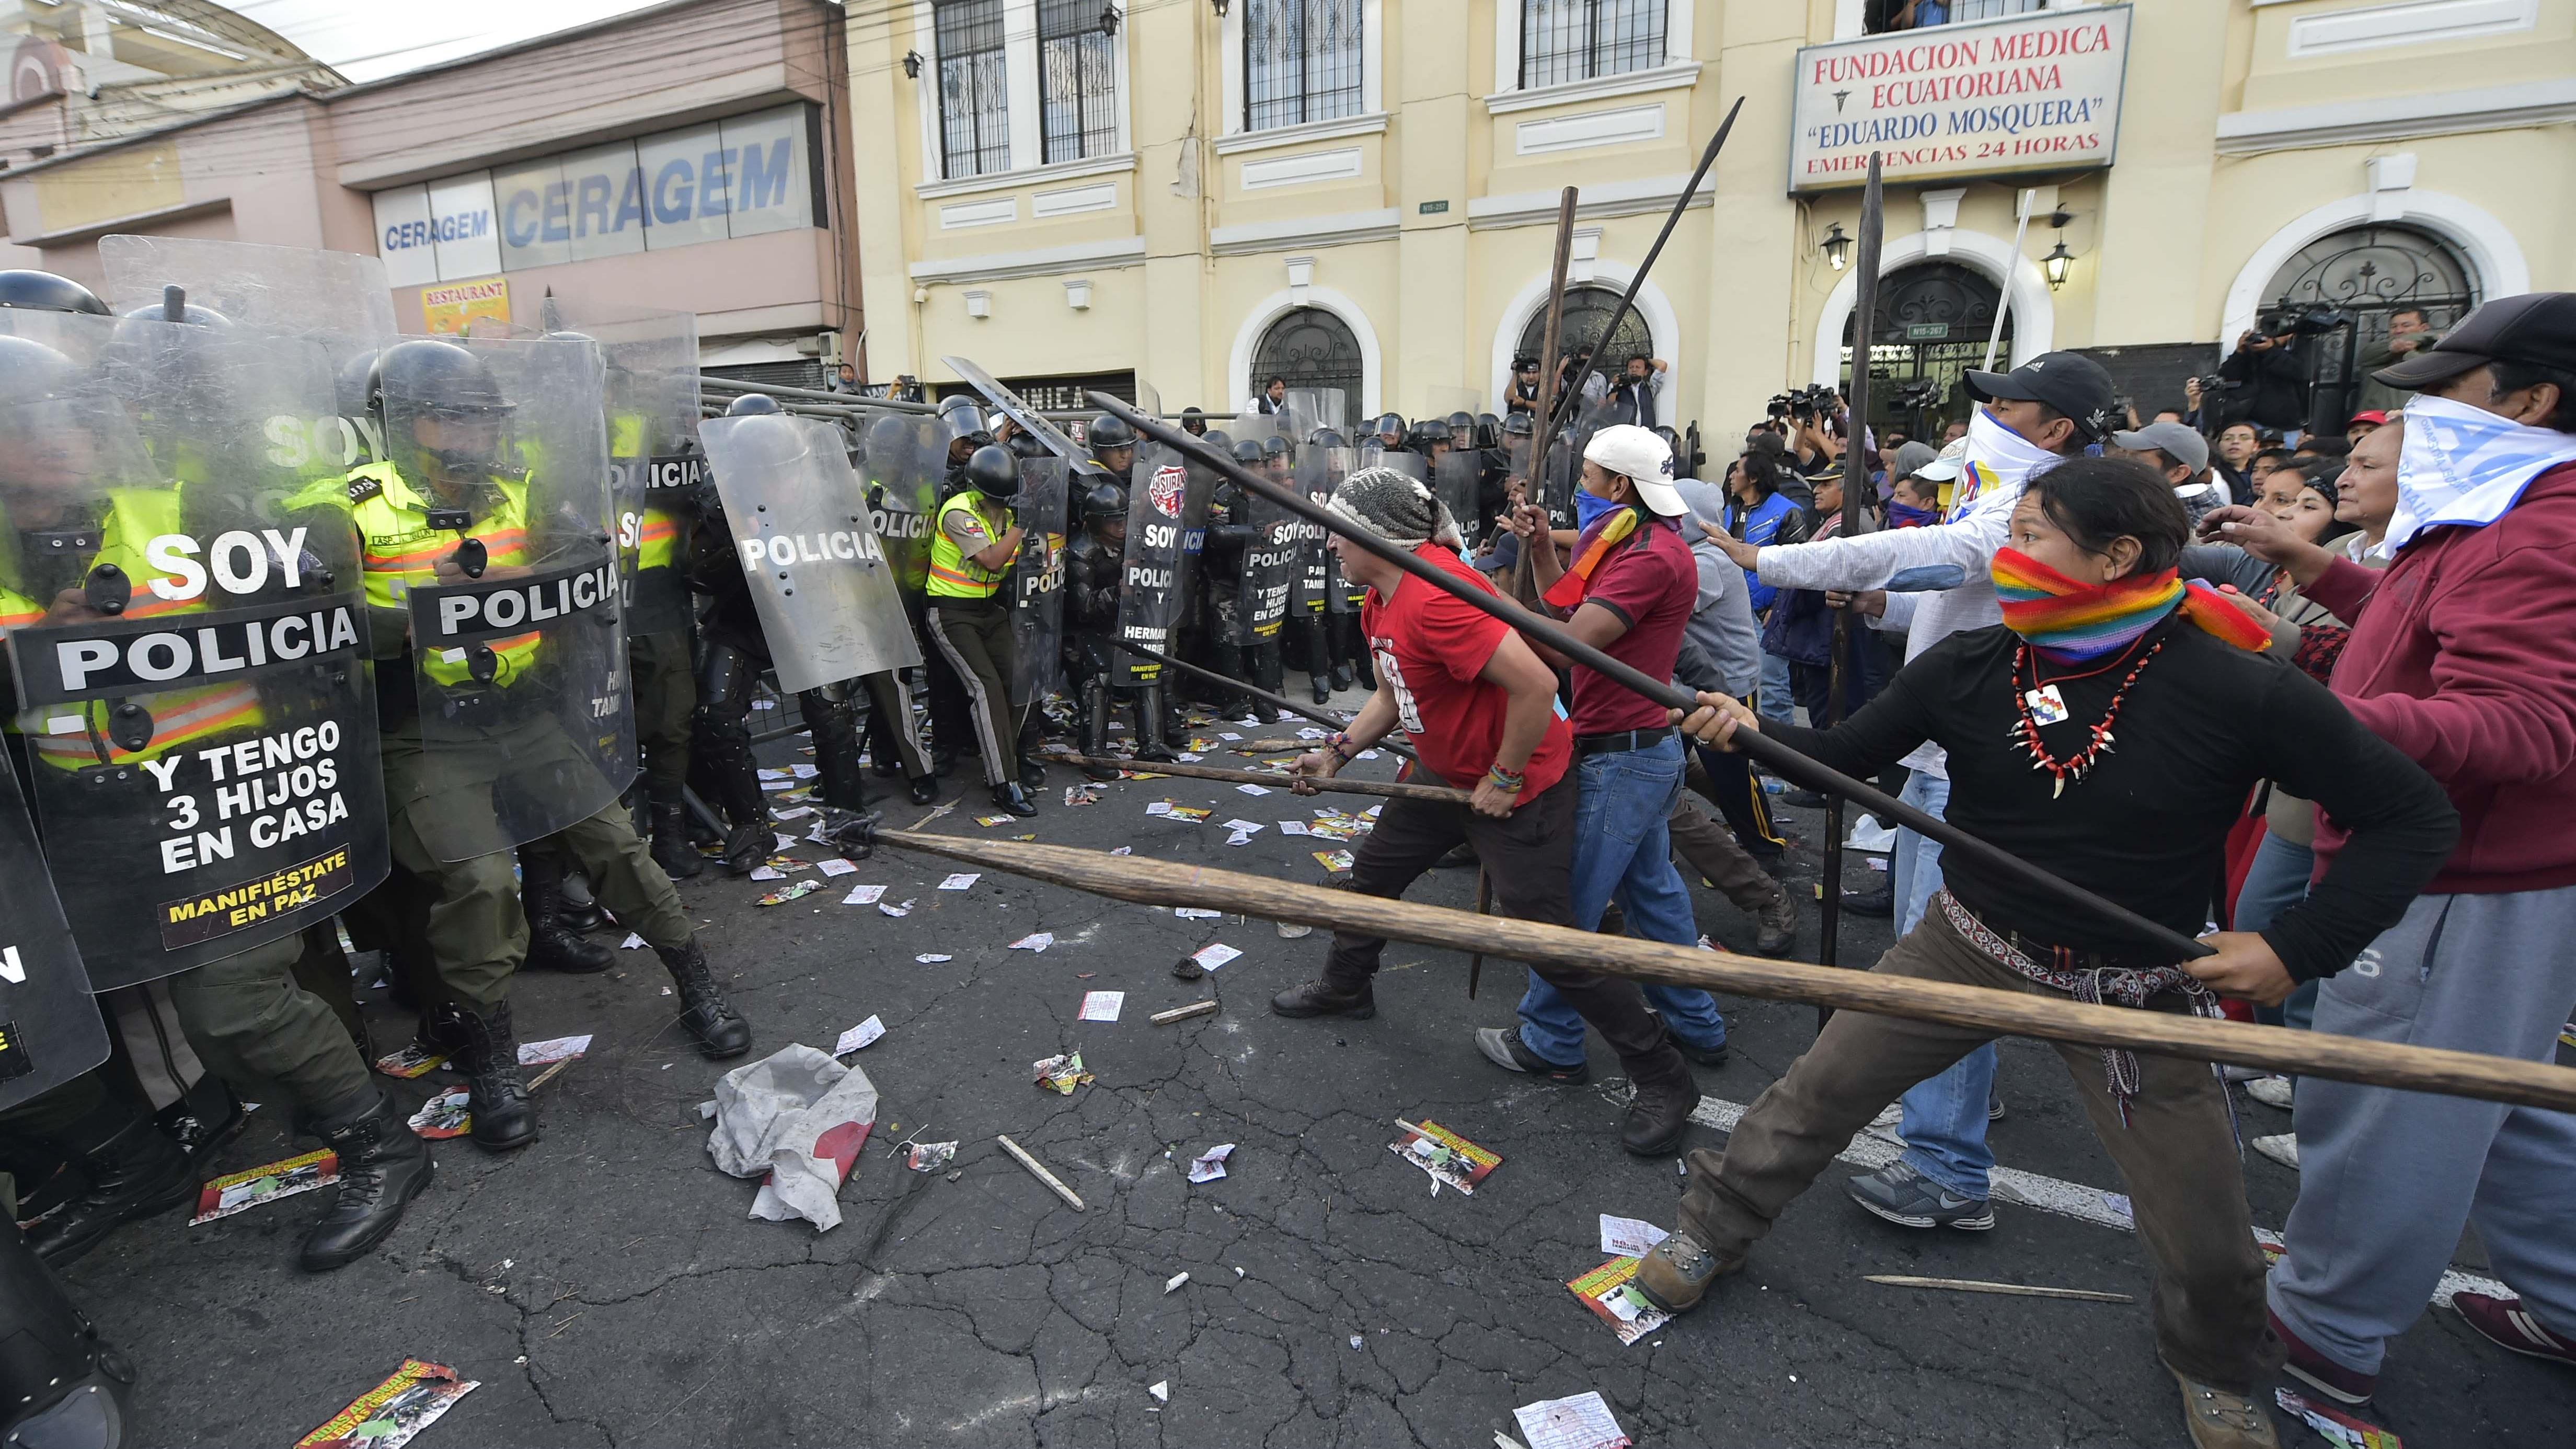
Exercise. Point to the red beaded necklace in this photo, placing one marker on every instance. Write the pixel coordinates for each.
(2025, 730)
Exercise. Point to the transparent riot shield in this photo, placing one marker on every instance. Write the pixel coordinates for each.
(1075, 456)
(188, 638)
(499, 458)
(654, 462)
(828, 598)
(902, 457)
(1153, 590)
(1310, 408)
(50, 1030)
(1458, 477)
(340, 302)
(1318, 470)
(1037, 578)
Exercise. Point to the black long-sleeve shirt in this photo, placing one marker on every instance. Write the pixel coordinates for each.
(2147, 826)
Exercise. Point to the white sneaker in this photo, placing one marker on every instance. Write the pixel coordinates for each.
(2270, 1091)
(2283, 1149)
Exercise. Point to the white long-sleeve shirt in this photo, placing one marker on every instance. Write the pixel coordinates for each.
(1869, 560)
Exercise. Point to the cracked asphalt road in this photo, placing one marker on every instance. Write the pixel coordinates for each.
(607, 1287)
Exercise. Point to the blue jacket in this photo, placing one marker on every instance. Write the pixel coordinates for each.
(1762, 526)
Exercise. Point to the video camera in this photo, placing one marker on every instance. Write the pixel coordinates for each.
(1805, 403)
(1917, 396)
(2303, 321)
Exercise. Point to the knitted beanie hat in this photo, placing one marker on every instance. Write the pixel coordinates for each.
(1395, 507)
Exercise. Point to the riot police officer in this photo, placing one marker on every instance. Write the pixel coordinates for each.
(971, 551)
(101, 466)
(902, 506)
(493, 741)
(1095, 562)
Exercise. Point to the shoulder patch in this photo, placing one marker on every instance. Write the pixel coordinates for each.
(362, 489)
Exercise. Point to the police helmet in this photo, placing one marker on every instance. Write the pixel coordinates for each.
(351, 382)
(993, 472)
(36, 291)
(1274, 446)
(1519, 425)
(1431, 430)
(1249, 452)
(890, 443)
(1489, 430)
(1110, 431)
(1220, 439)
(31, 372)
(962, 413)
(427, 378)
(1390, 425)
(1327, 438)
(1462, 425)
(1104, 500)
(752, 403)
(1026, 444)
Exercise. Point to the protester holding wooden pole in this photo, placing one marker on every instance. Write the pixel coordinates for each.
(2113, 726)
(1479, 707)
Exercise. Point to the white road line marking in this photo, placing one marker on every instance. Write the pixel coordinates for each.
(1872, 1149)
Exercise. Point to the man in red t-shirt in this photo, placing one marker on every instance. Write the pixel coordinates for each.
(1629, 592)
(1479, 710)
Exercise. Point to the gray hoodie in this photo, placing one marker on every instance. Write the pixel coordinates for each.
(1722, 622)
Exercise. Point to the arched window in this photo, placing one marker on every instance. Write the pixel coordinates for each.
(1933, 319)
(2340, 293)
(1311, 348)
(1587, 311)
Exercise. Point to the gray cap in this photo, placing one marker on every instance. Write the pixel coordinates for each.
(1910, 459)
(2177, 441)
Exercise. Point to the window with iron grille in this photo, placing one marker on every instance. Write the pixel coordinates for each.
(974, 101)
(1077, 81)
(1572, 40)
(1301, 62)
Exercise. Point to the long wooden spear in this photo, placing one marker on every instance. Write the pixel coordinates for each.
(1386, 789)
(2007, 1013)
(1779, 758)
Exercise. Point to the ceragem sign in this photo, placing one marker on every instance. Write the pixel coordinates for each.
(741, 176)
(2037, 92)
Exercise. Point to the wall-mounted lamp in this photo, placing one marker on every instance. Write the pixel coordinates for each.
(2056, 263)
(912, 65)
(1221, 7)
(1837, 248)
(1109, 19)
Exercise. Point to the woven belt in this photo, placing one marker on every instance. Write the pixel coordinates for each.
(2093, 985)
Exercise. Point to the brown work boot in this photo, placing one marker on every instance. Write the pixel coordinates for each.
(1777, 925)
(1676, 1275)
(2218, 1419)
(1317, 998)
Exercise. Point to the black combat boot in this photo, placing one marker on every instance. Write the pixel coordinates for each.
(1149, 726)
(383, 1166)
(1227, 659)
(552, 943)
(925, 789)
(753, 839)
(581, 911)
(1346, 629)
(487, 1052)
(1095, 728)
(671, 848)
(1033, 776)
(1009, 796)
(839, 778)
(134, 1171)
(718, 1029)
(1269, 671)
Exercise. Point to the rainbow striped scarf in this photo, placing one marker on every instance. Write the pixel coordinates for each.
(1606, 534)
(2088, 621)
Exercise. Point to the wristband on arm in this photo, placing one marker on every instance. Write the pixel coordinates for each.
(1509, 782)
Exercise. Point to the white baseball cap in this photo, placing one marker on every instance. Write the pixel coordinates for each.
(1947, 466)
(1645, 460)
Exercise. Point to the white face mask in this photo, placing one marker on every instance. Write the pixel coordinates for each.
(2465, 465)
(1998, 458)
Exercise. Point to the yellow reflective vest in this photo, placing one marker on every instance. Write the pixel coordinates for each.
(73, 735)
(952, 574)
(401, 552)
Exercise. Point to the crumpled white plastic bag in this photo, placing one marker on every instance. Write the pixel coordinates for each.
(800, 1117)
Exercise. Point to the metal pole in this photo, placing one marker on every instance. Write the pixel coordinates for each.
(1855, 519)
(2003, 303)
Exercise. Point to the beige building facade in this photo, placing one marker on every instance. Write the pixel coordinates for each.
(1362, 193)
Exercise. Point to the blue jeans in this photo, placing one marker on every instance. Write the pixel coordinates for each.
(1623, 850)
(1945, 1116)
(1776, 699)
(2276, 881)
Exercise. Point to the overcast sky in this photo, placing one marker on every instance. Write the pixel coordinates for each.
(365, 39)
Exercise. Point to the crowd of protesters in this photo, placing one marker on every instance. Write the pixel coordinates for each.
(2349, 727)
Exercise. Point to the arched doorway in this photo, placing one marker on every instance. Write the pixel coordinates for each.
(1311, 348)
(1933, 321)
(2339, 293)
(1587, 311)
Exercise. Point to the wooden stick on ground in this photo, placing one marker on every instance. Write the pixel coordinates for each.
(2005, 1013)
(1038, 1170)
(2018, 1290)
(1387, 789)
(1323, 717)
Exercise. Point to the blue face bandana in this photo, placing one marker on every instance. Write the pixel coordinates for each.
(1589, 506)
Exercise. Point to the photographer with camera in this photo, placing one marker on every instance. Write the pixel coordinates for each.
(2267, 374)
